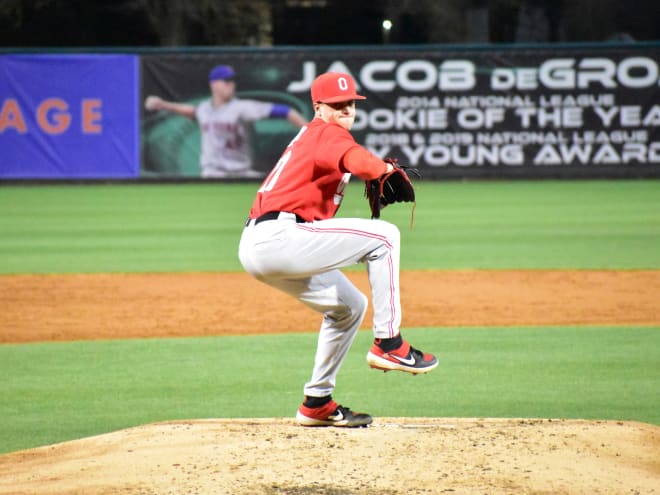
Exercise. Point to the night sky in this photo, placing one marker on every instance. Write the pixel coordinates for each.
(76, 23)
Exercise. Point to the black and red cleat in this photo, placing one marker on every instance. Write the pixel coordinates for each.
(404, 358)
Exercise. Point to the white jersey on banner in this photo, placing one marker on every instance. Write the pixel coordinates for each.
(225, 147)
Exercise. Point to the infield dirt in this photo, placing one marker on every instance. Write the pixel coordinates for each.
(107, 306)
(273, 457)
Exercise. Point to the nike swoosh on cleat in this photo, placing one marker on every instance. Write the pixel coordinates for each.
(409, 361)
(337, 417)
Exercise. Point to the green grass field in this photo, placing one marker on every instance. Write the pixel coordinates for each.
(155, 228)
(59, 391)
(52, 392)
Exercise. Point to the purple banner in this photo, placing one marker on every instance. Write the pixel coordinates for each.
(69, 116)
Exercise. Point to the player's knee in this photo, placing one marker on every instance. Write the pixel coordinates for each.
(359, 309)
(390, 231)
(357, 306)
(350, 312)
(362, 305)
(395, 234)
(392, 238)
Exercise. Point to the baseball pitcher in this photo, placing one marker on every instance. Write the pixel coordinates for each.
(293, 242)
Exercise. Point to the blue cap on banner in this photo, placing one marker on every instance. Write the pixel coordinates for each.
(224, 72)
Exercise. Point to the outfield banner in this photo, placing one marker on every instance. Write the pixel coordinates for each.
(501, 112)
(69, 116)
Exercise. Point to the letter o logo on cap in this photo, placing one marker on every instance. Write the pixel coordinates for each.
(333, 87)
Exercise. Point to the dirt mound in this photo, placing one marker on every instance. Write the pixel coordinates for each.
(394, 456)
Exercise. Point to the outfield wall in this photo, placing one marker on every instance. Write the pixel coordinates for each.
(541, 111)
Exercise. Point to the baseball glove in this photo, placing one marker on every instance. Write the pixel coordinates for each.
(393, 187)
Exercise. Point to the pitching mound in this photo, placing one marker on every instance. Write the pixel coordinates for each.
(393, 456)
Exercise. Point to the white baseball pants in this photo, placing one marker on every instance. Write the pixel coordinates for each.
(304, 260)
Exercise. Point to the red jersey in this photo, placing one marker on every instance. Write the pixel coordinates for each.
(310, 177)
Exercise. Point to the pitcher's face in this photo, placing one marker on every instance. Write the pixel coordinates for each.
(342, 113)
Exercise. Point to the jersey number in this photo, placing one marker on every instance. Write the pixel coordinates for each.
(270, 181)
(275, 174)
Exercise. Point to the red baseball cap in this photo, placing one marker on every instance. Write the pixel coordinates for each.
(333, 87)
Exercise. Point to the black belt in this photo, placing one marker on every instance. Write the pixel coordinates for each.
(273, 215)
